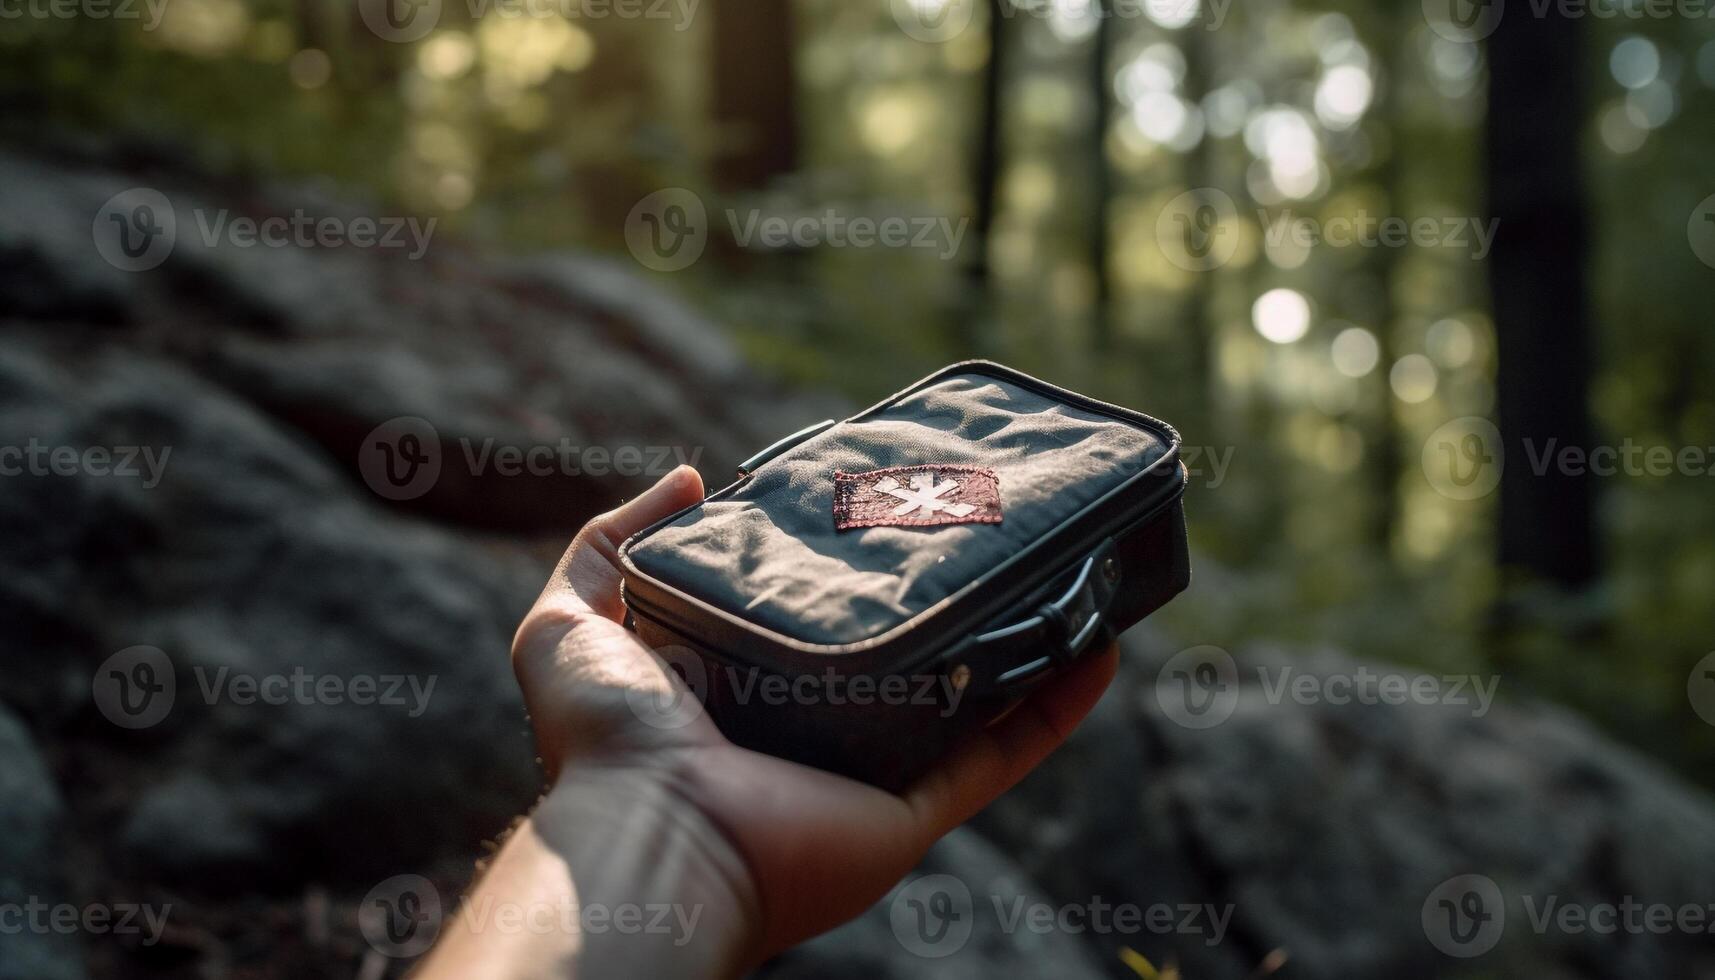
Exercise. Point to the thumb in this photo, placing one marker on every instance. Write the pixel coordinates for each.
(587, 576)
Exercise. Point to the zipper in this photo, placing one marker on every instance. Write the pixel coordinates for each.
(792, 441)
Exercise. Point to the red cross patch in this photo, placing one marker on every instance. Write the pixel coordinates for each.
(916, 496)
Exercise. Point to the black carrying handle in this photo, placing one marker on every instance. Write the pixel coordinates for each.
(1057, 632)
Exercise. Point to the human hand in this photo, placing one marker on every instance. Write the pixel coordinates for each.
(790, 850)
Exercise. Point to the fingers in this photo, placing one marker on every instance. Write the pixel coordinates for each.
(571, 648)
(580, 670)
(1004, 753)
(587, 576)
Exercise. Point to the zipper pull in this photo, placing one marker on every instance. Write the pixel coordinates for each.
(750, 465)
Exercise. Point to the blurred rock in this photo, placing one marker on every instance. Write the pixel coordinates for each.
(226, 841)
(1326, 827)
(968, 913)
(30, 869)
(243, 557)
(597, 380)
(254, 538)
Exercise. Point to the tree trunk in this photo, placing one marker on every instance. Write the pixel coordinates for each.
(1385, 458)
(1101, 182)
(985, 181)
(1200, 171)
(755, 102)
(1538, 282)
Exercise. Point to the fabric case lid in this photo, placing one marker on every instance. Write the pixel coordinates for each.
(769, 551)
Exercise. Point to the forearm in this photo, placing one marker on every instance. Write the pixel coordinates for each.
(612, 876)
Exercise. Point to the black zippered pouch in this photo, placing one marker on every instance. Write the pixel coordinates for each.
(870, 590)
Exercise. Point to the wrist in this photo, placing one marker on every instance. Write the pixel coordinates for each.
(613, 875)
(660, 888)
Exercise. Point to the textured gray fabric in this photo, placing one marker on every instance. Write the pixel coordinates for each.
(770, 553)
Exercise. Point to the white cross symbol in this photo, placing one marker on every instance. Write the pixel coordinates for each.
(923, 494)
